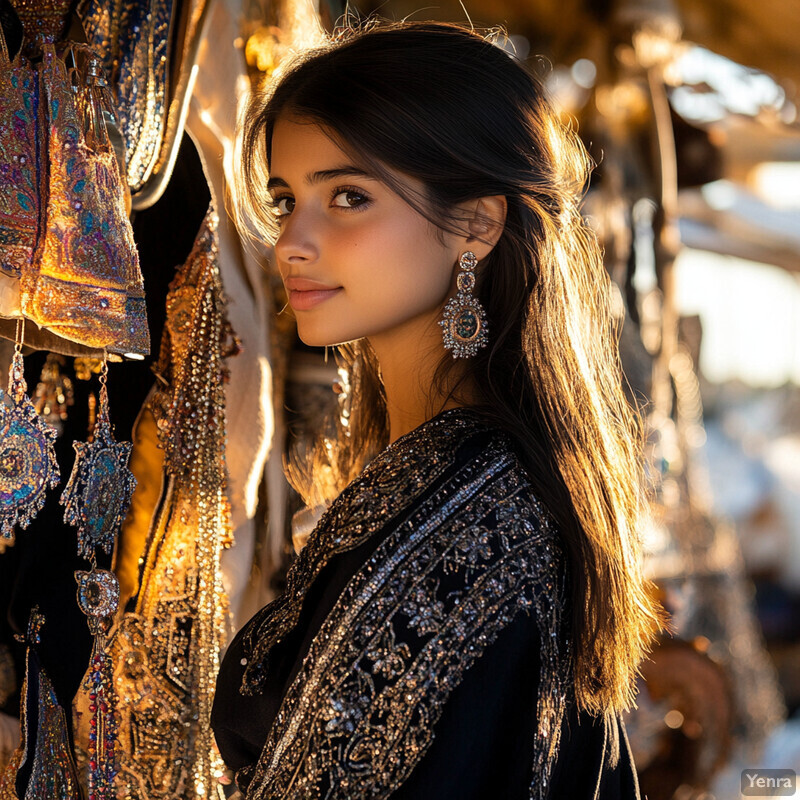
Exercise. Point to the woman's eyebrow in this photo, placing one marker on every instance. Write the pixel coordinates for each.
(346, 171)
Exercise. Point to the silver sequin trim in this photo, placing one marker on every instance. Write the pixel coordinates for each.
(478, 551)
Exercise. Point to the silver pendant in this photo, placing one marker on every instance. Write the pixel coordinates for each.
(98, 494)
(28, 465)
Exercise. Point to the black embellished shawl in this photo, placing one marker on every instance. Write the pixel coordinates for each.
(422, 633)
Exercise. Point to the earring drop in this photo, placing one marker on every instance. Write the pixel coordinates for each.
(464, 326)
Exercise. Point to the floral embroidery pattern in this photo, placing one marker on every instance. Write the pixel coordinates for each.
(363, 508)
(389, 658)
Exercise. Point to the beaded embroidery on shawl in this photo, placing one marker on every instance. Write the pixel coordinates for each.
(450, 576)
(359, 511)
(167, 651)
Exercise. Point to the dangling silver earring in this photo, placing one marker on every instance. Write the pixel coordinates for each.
(464, 326)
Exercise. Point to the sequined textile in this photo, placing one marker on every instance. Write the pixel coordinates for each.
(43, 20)
(19, 199)
(87, 286)
(45, 740)
(150, 50)
(134, 38)
(467, 550)
(167, 650)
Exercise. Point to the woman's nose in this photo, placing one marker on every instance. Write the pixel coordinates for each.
(296, 241)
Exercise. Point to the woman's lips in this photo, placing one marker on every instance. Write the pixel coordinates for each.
(304, 294)
(303, 301)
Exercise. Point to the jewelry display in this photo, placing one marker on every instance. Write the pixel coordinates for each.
(28, 465)
(96, 499)
(464, 326)
(99, 491)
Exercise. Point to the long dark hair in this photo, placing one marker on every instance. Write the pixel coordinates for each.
(448, 107)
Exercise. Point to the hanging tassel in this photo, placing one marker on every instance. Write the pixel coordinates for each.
(54, 393)
(98, 598)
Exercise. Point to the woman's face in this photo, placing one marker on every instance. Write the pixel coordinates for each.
(357, 261)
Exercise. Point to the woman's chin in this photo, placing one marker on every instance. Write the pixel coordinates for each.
(316, 339)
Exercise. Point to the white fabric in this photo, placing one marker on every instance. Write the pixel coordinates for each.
(220, 86)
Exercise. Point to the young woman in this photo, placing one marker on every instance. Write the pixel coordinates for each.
(467, 617)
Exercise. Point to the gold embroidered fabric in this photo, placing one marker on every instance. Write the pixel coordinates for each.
(134, 40)
(167, 650)
(19, 197)
(68, 261)
(87, 286)
(149, 48)
(468, 549)
(43, 20)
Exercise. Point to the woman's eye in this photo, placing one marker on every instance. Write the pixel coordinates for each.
(283, 206)
(348, 198)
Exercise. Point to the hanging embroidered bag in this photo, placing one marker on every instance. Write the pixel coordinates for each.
(87, 286)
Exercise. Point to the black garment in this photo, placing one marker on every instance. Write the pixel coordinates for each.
(483, 743)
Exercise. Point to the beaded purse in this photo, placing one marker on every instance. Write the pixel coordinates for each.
(87, 286)
(68, 261)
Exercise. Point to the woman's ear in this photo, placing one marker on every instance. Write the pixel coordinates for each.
(485, 221)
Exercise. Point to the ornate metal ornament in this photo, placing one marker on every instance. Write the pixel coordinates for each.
(98, 598)
(28, 465)
(464, 325)
(100, 488)
(97, 498)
